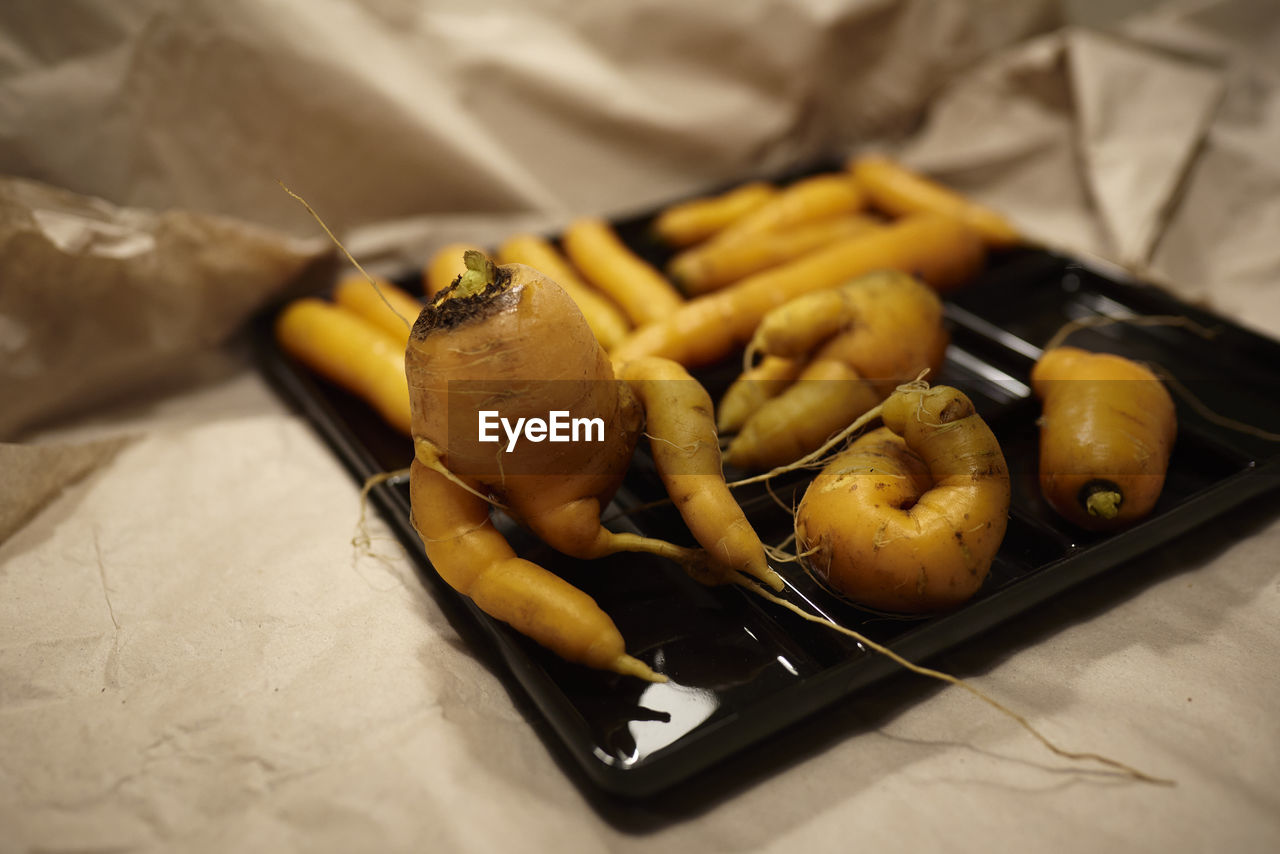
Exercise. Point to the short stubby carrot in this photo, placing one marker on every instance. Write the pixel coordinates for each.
(1106, 434)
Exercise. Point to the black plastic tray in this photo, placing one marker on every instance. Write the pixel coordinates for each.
(741, 669)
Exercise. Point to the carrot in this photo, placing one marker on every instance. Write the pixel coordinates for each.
(509, 342)
(752, 388)
(721, 262)
(898, 191)
(605, 319)
(350, 351)
(861, 340)
(445, 266)
(689, 222)
(1106, 434)
(393, 310)
(686, 451)
(640, 290)
(941, 250)
(909, 518)
(827, 395)
(475, 559)
(806, 201)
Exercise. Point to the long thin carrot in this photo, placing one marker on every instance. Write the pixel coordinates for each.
(606, 262)
(941, 250)
(689, 222)
(899, 191)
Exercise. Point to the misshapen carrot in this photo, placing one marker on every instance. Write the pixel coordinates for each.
(898, 191)
(859, 342)
(605, 319)
(1106, 434)
(686, 451)
(909, 518)
(475, 559)
(507, 341)
(940, 250)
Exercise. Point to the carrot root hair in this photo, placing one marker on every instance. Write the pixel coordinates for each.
(1081, 756)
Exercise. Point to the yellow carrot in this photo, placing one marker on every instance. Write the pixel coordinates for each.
(1106, 434)
(940, 250)
(686, 450)
(807, 200)
(606, 262)
(752, 388)
(721, 262)
(605, 319)
(909, 518)
(350, 351)
(394, 311)
(689, 222)
(898, 191)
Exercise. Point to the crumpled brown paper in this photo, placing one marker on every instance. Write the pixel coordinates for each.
(35, 474)
(98, 299)
(378, 111)
(1152, 148)
(191, 655)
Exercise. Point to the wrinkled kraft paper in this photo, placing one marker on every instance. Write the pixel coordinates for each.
(235, 677)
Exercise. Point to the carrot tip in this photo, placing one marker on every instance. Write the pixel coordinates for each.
(629, 666)
(770, 578)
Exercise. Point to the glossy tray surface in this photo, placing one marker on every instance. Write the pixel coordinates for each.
(740, 668)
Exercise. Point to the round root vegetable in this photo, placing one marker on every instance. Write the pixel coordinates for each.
(858, 343)
(642, 292)
(940, 250)
(1106, 434)
(390, 308)
(898, 191)
(350, 351)
(445, 266)
(689, 222)
(910, 516)
(721, 262)
(605, 319)
(509, 340)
